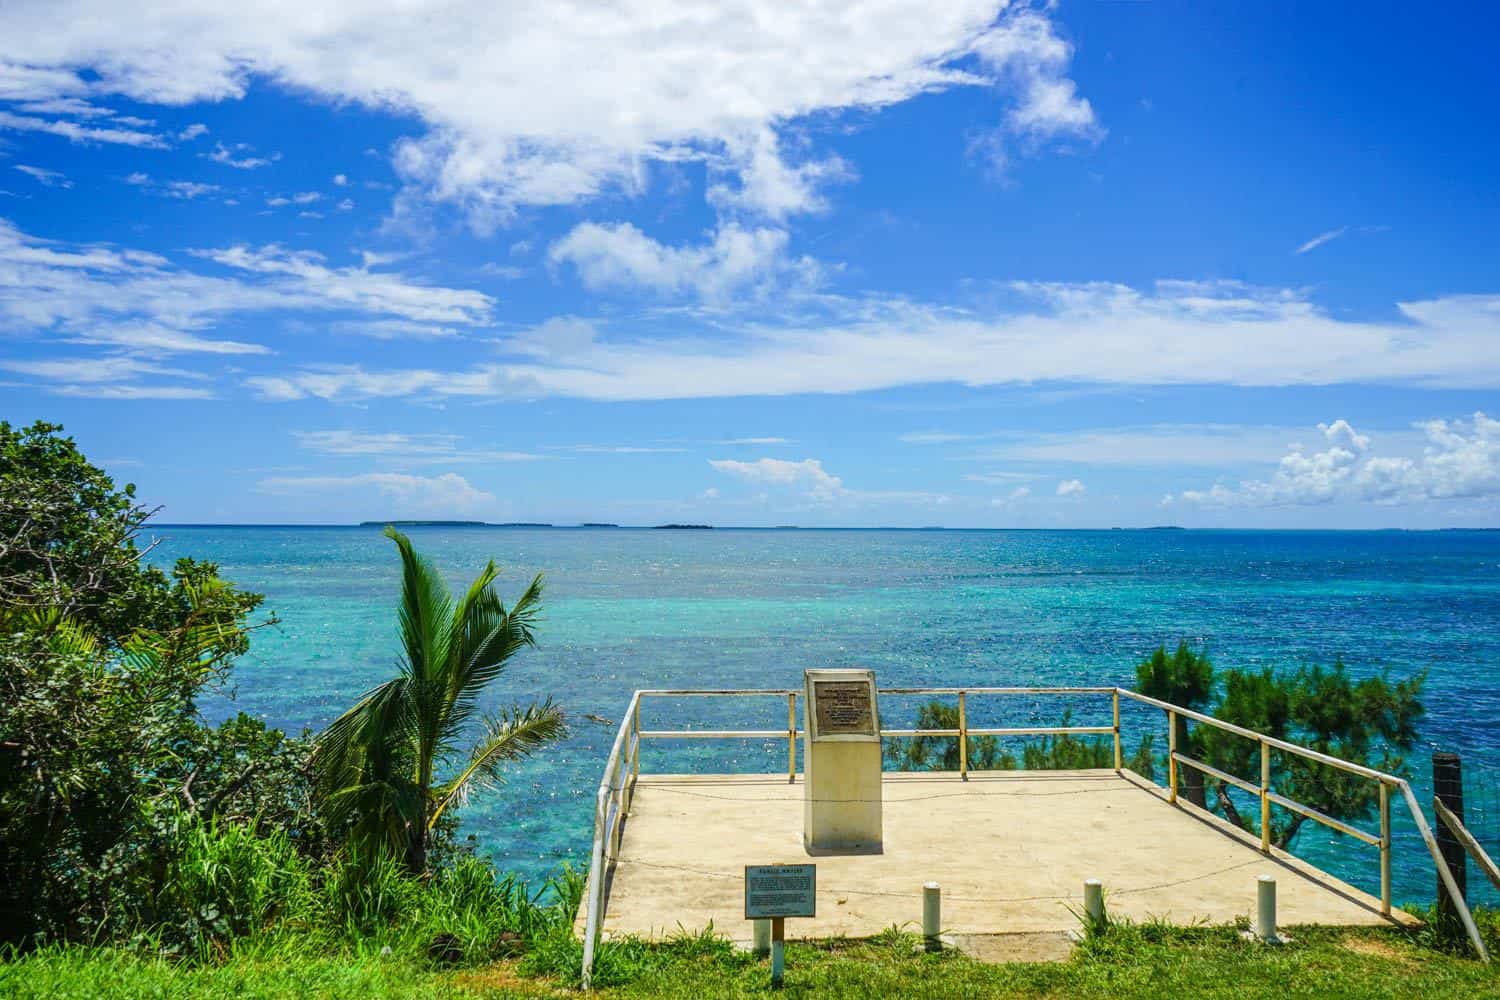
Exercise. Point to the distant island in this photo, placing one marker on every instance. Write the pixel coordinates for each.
(599, 524)
(683, 527)
(423, 524)
(454, 524)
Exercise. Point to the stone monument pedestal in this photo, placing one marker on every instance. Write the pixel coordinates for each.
(842, 762)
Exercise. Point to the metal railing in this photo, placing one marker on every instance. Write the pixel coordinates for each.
(622, 768)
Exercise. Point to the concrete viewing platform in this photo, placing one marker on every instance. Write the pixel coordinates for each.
(1011, 850)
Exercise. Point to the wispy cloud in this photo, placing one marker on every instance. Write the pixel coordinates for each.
(448, 492)
(138, 302)
(81, 134)
(47, 178)
(1333, 234)
(238, 156)
(403, 447)
(1220, 333)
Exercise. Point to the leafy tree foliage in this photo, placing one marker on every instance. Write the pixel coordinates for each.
(69, 552)
(1183, 678)
(1370, 721)
(378, 764)
(1063, 752)
(102, 659)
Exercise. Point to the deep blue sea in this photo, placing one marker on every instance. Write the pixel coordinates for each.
(636, 608)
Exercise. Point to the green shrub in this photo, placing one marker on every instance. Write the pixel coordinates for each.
(226, 881)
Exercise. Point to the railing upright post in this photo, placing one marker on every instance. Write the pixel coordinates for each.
(1265, 797)
(1119, 765)
(791, 737)
(1385, 849)
(963, 739)
(635, 750)
(1171, 755)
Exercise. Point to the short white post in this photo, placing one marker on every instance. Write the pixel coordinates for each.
(1265, 909)
(932, 915)
(778, 951)
(762, 946)
(1093, 903)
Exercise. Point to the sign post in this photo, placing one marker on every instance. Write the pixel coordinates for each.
(775, 892)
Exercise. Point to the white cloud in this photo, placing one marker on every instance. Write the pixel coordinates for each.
(404, 447)
(340, 180)
(756, 441)
(113, 377)
(1001, 477)
(935, 437)
(1177, 333)
(357, 288)
(192, 132)
(1071, 488)
(139, 301)
(619, 449)
(1461, 459)
(736, 259)
(81, 134)
(1025, 52)
(1152, 445)
(189, 189)
(47, 178)
(138, 179)
(765, 183)
(520, 107)
(1322, 238)
(807, 476)
(226, 155)
(1014, 496)
(435, 494)
(712, 493)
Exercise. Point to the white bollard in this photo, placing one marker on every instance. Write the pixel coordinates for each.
(932, 915)
(762, 945)
(1265, 909)
(1093, 903)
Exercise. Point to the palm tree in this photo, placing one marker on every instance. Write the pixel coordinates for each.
(377, 764)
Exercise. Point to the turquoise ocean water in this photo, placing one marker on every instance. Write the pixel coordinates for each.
(635, 608)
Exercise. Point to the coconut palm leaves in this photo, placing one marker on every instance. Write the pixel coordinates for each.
(377, 764)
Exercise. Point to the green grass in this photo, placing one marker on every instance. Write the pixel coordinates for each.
(1129, 961)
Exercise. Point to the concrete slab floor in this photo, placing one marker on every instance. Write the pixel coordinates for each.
(1011, 850)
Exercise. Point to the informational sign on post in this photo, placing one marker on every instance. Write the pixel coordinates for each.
(775, 892)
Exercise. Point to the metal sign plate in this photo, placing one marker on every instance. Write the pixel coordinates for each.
(841, 705)
(780, 891)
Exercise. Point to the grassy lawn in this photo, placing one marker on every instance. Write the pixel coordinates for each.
(1131, 961)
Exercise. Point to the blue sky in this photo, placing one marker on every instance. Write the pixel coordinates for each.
(1079, 265)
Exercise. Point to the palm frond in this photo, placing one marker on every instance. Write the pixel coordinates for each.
(426, 606)
(509, 737)
(489, 638)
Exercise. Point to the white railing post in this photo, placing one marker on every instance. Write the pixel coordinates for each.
(1265, 909)
(932, 916)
